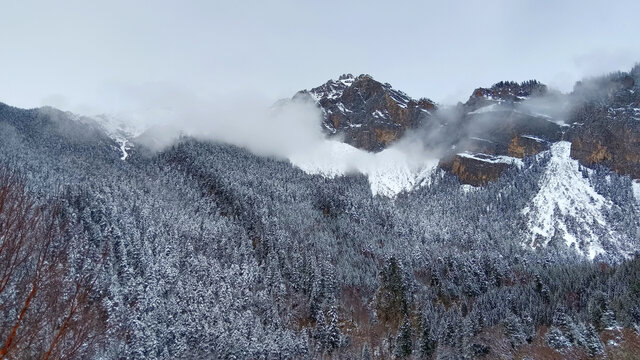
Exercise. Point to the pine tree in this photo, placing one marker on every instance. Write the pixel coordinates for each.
(321, 334)
(427, 345)
(556, 339)
(334, 337)
(404, 342)
(392, 301)
(593, 343)
(366, 352)
(514, 330)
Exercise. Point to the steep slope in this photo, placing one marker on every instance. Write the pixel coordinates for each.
(498, 127)
(368, 114)
(606, 122)
(210, 251)
(569, 208)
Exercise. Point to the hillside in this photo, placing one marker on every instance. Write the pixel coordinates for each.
(206, 250)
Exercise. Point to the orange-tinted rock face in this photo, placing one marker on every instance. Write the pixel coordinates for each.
(521, 146)
(615, 145)
(473, 171)
(385, 137)
(606, 123)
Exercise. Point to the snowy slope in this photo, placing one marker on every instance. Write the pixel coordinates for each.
(390, 171)
(636, 189)
(568, 205)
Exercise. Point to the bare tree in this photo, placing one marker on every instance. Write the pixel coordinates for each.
(48, 303)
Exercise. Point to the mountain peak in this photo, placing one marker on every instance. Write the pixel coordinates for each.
(505, 91)
(369, 114)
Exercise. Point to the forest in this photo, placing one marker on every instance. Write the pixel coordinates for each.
(205, 250)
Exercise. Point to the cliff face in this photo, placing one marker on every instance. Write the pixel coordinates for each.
(497, 131)
(475, 169)
(368, 114)
(606, 123)
(498, 122)
(613, 144)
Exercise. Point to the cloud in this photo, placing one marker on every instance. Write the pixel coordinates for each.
(158, 113)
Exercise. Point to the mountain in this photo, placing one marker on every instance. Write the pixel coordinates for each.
(203, 249)
(368, 115)
(606, 124)
(497, 125)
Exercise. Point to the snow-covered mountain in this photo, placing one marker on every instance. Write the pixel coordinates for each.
(568, 207)
(368, 114)
(504, 229)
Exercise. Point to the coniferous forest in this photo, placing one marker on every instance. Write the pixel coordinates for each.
(205, 250)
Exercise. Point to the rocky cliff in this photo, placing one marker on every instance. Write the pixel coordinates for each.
(369, 115)
(496, 126)
(606, 122)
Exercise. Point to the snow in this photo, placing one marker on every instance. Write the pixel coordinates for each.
(378, 114)
(533, 138)
(347, 82)
(342, 108)
(332, 90)
(122, 128)
(400, 99)
(635, 186)
(493, 159)
(123, 148)
(389, 172)
(481, 139)
(466, 188)
(536, 114)
(565, 190)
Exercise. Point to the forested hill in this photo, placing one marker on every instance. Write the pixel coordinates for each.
(205, 250)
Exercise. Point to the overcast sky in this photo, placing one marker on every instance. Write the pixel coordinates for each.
(95, 56)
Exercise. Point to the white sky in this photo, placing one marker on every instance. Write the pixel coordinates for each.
(96, 56)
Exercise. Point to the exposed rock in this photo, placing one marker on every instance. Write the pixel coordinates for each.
(504, 91)
(606, 123)
(495, 122)
(614, 144)
(496, 126)
(369, 114)
(476, 170)
(525, 145)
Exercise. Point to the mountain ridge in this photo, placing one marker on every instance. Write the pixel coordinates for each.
(203, 249)
(508, 119)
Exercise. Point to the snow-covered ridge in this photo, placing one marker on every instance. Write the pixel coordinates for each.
(389, 172)
(333, 89)
(567, 205)
(494, 159)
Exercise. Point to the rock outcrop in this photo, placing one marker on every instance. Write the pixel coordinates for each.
(606, 122)
(496, 126)
(368, 114)
(475, 169)
(497, 131)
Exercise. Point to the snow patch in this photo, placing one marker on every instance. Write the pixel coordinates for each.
(635, 186)
(564, 192)
(533, 138)
(378, 114)
(494, 159)
(343, 108)
(124, 146)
